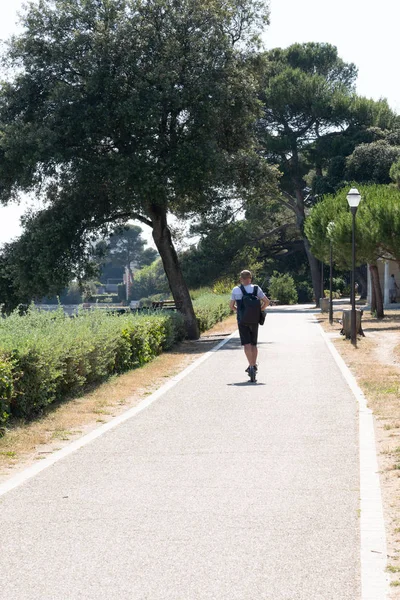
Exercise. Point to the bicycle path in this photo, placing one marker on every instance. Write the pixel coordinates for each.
(218, 490)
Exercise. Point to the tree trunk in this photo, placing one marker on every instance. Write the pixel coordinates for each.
(180, 293)
(373, 299)
(361, 278)
(315, 268)
(315, 271)
(377, 291)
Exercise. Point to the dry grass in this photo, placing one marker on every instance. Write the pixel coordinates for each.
(376, 365)
(25, 443)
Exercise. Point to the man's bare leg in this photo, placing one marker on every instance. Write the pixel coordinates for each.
(251, 354)
(255, 354)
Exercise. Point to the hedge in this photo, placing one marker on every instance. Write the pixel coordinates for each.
(47, 356)
(210, 309)
(6, 390)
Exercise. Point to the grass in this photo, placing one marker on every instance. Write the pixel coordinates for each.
(392, 569)
(66, 421)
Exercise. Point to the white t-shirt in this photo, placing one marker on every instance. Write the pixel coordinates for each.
(238, 295)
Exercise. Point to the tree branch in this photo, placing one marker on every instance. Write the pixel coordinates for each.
(272, 232)
(123, 215)
(142, 219)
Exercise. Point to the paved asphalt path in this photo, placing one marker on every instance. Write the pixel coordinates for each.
(219, 490)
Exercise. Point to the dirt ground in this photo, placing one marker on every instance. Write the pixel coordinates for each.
(376, 364)
(24, 443)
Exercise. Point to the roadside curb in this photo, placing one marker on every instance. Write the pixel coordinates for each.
(34, 470)
(374, 579)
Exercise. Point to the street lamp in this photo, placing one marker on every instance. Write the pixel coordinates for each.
(329, 231)
(353, 198)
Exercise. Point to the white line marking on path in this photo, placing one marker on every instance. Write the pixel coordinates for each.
(374, 579)
(30, 472)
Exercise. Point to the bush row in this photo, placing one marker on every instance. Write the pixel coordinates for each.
(47, 356)
(211, 309)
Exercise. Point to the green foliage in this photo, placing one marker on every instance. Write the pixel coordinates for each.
(195, 294)
(304, 291)
(55, 356)
(223, 286)
(307, 91)
(377, 226)
(338, 284)
(211, 309)
(372, 162)
(6, 389)
(229, 246)
(45, 357)
(282, 288)
(149, 280)
(145, 303)
(335, 294)
(124, 248)
(395, 172)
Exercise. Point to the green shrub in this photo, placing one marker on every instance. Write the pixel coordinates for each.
(304, 291)
(145, 303)
(338, 284)
(224, 285)
(210, 309)
(47, 356)
(150, 280)
(195, 294)
(54, 356)
(335, 295)
(282, 288)
(160, 297)
(346, 290)
(6, 390)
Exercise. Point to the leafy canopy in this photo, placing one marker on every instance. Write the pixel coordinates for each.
(127, 109)
(377, 226)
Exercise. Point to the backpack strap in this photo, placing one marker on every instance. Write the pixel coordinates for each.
(254, 292)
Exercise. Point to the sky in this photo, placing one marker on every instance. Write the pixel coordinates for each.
(364, 31)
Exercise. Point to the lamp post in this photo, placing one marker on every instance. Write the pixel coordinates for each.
(329, 231)
(353, 198)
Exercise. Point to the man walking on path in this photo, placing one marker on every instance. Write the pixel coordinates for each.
(248, 330)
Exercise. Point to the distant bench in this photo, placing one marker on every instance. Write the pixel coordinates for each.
(166, 305)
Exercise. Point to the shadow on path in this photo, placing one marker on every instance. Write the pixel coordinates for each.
(245, 383)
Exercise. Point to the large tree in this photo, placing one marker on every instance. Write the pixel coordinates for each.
(312, 120)
(132, 109)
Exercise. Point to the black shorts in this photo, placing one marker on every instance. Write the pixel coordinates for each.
(248, 334)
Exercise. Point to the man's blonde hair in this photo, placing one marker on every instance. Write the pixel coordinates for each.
(246, 275)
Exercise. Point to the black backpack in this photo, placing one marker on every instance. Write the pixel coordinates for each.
(250, 307)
